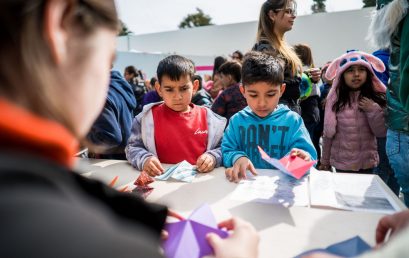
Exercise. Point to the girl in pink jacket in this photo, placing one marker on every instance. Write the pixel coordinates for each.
(354, 114)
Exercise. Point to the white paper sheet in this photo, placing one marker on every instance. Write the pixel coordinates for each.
(272, 186)
(355, 192)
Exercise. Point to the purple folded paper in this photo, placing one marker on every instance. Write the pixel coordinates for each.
(187, 238)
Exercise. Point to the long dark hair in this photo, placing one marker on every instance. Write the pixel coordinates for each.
(343, 93)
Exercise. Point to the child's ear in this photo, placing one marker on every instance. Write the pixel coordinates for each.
(195, 86)
(282, 89)
(272, 15)
(158, 89)
(242, 90)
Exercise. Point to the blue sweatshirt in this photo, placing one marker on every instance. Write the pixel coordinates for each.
(276, 134)
(113, 127)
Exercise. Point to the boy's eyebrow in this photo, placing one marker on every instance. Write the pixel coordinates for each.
(271, 90)
(171, 86)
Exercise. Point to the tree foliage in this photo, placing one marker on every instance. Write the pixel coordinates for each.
(195, 20)
(369, 3)
(318, 6)
(124, 31)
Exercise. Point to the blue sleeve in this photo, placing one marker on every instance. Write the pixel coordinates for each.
(106, 130)
(230, 145)
(301, 139)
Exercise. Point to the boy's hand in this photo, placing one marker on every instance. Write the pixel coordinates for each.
(153, 167)
(239, 169)
(300, 153)
(205, 163)
(365, 104)
(391, 224)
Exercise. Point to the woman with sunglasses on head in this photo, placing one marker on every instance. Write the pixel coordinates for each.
(54, 73)
(276, 18)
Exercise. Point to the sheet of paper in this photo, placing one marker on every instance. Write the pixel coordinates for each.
(183, 171)
(274, 187)
(351, 192)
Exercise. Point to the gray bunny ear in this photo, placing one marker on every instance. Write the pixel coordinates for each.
(332, 68)
(375, 62)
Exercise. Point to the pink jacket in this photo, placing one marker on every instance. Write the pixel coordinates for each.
(349, 141)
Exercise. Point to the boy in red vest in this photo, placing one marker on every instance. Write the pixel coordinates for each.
(175, 129)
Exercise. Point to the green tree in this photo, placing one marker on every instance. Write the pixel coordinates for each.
(195, 20)
(369, 3)
(318, 6)
(124, 31)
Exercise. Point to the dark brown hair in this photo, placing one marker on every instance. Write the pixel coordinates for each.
(27, 71)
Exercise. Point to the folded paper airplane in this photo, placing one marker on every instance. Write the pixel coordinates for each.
(349, 248)
(293, 166)
(142, 184)
(187, 238)
(183, 171)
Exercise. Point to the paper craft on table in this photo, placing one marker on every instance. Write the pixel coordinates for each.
(349, 248)
(187, 238)
(292, 166)
(183, 171)
(142, 184)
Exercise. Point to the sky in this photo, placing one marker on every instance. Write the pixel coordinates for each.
(150, 16)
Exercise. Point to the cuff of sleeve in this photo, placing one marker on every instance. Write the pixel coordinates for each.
(236, 157)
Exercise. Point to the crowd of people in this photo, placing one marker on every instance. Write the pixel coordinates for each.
(273, 97)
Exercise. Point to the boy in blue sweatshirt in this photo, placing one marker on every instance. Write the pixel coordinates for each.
(275, 128)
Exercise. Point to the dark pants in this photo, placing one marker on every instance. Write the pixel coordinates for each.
(368, 171)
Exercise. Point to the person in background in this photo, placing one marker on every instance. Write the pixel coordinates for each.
(354, 114)
(237, 56)
(310, 92)
(175, 129)
(131, 76)
(202, 97)
(388, 30)
(231, 100)
(152, 95)
(265, 123)
(276, 18)
(384, 169)
(324, 90)
(216, 86)
(111, 130)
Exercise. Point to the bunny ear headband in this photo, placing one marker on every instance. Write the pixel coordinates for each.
(339, 65)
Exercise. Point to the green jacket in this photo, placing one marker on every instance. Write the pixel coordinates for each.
(398, 89)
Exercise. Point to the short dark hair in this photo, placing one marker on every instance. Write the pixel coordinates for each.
(199, 78)
(261, 67)
(232, 68)
(174, 67)
(239, 54)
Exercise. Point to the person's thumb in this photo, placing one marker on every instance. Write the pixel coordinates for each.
(214, 240)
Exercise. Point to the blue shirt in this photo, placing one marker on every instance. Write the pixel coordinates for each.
(276, 134)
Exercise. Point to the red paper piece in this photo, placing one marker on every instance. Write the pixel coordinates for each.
(144, 179)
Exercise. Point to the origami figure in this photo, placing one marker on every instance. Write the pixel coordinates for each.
(142, 184)
(187, 238)
(293, 166)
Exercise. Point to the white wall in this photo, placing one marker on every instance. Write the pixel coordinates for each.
(328, 34)
(148, 62)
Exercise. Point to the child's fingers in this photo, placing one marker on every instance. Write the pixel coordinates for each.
(157, 165)
(242, 173)
(252, 169)
(200, 161)
(228, 172)
(235, 174)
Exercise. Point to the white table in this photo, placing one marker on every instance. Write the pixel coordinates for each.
(284, 232)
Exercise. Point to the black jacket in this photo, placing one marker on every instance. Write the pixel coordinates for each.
(49, 211)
